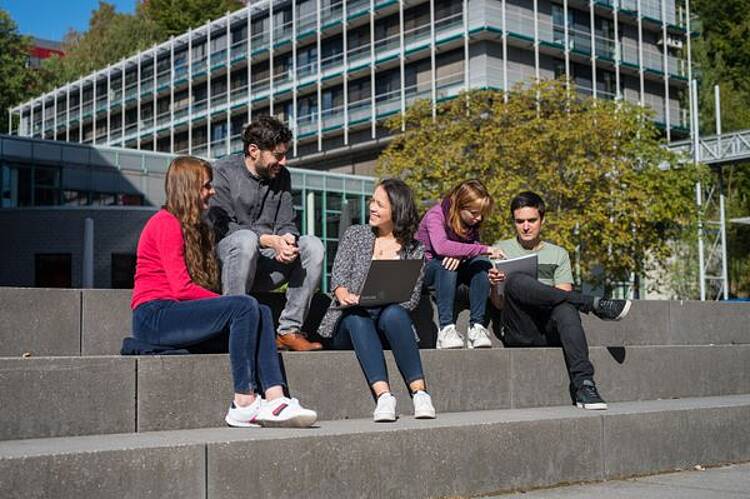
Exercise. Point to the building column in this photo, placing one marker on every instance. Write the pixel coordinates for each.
(345, 46)
(665, 64)
(433, 69)
(373, 111)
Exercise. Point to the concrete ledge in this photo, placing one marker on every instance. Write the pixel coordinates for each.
(728, 322)
(458, 454)
(94, 322)
(173, 472)
(40, 321)
(48, 397)
(105, 320)
(174, 392)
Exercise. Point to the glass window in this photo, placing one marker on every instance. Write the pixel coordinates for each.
(103, 199)
(23, 187)
(9, 179)
(130, 199)
(123, 270)
(75, 198)
(52, 270)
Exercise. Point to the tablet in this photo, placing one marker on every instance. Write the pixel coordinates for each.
(527, 264)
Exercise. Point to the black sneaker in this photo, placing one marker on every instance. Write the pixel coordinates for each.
(587, 397)
(611, 310)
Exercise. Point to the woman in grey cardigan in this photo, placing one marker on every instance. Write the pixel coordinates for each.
(389, 236)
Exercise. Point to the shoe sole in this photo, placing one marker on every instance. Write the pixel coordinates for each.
(600, 406)
(625, 310)
(240, 424)
(424, 415)
(452, 347)
(301, 421)
(384, 418)
(472, 346)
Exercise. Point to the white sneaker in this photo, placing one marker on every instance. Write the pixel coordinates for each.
(244, 417)
(479, 337)
(386, 409)
(449, 337)
(423, 408)
(285, 413)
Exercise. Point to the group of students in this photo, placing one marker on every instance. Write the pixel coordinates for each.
(230, 230)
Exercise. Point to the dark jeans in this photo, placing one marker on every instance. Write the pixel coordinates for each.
(473, 273)
(535, 314)
(368, 329)
(252, 343)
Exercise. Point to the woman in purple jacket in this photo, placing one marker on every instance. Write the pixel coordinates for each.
(449, 232)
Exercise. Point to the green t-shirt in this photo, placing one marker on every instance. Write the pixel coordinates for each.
(554, 262)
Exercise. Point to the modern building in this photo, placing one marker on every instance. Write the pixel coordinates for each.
(42, 49)
(335, 69)
(49, 189)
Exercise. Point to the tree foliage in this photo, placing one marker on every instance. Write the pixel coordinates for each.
(17, 82)
(112, 36)
(611, 188)
(721, 56)
(174, 17)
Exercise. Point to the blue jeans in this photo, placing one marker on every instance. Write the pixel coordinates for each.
(367, 329)
(472, 272)
(252, 344)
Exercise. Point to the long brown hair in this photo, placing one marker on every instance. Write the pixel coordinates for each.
(185, 178)
(466, 195)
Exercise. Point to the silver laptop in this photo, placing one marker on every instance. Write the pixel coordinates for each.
(388, 281)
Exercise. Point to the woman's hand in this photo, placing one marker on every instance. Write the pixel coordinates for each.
(495, 253)
(344, 297)
(450, 263)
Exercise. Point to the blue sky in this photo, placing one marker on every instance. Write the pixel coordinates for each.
(51, 19)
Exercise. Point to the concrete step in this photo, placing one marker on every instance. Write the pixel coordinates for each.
(479, 452)
(94, 322)
(61, 396)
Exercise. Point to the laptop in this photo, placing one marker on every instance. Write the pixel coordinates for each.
(388, 281)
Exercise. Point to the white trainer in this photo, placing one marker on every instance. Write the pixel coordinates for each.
(385, 411)
(244, 417)
(285, 413)
(449, 337)
(423, 408)
(479, 337)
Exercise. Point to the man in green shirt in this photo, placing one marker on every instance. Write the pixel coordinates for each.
(545, 311)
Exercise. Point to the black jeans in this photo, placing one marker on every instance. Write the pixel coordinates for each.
(535, 314)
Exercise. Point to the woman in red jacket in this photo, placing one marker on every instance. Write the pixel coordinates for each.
(174, 305)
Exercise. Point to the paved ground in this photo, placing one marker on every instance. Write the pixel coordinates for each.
(725, 482)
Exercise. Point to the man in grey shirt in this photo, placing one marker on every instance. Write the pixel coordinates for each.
(259, 245)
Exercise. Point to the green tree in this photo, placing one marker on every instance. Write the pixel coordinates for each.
(174, 17)
(111, 36)
(721, 56)
(610, 187)
(17, 82)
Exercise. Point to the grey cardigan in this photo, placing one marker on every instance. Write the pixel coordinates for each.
(350, 268)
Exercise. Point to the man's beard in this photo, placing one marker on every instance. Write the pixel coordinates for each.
(265, 171)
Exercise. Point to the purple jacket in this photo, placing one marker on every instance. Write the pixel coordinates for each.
(433, 234)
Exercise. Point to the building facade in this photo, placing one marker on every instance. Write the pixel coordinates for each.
(335, 69)
(48, 190)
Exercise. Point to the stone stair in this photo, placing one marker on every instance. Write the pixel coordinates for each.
(78, 421)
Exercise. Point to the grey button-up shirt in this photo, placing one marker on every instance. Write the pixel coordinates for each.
(245, 201)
